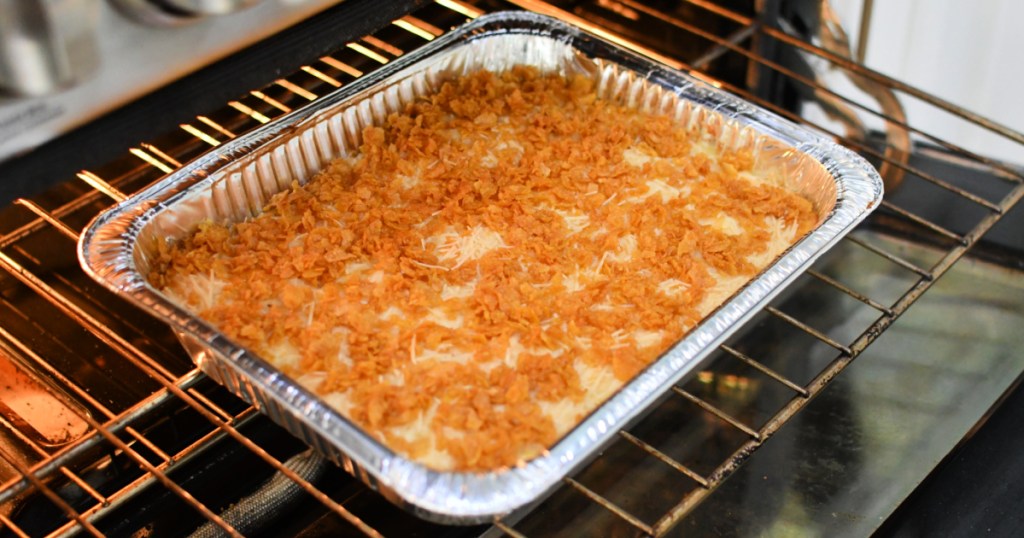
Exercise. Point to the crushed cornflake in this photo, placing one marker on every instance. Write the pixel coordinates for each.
(495, 262)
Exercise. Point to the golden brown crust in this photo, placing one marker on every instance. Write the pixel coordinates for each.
(486, 248)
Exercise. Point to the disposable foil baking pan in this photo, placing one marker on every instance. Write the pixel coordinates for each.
(235, 180)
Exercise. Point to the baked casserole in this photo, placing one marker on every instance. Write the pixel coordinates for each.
(495, 262)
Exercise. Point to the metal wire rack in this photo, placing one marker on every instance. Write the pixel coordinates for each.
(56, 321)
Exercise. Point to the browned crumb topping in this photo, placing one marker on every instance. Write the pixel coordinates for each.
(490, 254)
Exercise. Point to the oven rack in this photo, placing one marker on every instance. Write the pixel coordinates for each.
(56, 312)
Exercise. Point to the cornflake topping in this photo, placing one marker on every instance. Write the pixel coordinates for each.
(495, 262)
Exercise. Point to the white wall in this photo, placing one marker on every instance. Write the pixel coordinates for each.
(968, 53)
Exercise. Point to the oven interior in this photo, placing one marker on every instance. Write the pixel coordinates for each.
(821, 416)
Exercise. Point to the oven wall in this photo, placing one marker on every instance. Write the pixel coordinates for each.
(967, 55)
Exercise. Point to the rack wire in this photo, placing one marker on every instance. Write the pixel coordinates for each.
(51, 310)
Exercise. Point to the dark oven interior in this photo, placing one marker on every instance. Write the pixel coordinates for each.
(822, 416)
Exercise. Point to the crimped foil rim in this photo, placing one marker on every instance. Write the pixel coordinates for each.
(107, 253)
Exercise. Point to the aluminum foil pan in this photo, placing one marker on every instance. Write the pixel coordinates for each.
(235, 180)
